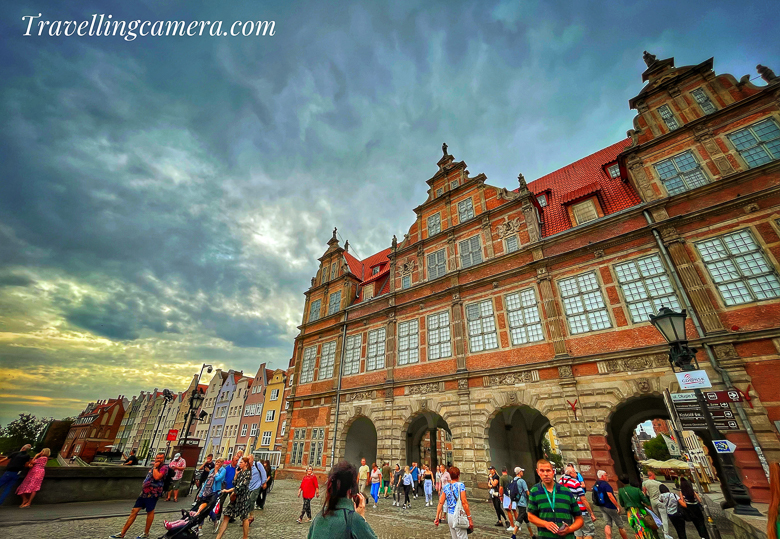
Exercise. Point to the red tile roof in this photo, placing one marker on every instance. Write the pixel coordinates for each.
(355, 265)
(362, 269)
(581, 178)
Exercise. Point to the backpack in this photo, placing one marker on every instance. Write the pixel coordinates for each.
(598, 496)
(168, 481)
(514, 490)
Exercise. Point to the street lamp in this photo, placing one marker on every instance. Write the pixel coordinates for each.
(671, 325)
(168, 396)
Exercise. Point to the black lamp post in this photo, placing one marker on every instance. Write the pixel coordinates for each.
(196, 399)
(167, 397)
(671, 325)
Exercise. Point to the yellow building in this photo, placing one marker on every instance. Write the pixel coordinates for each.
(272, 407)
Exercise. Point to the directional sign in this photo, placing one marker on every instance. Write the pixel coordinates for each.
(672, 446)
(724, 446)
(699, 424)
(694, 406)
(682, 397)
(723, 396)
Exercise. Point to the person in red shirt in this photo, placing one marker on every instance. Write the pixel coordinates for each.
(309, 489)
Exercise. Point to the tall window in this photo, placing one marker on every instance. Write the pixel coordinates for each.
(453, 184)
(352, 354)
(269, 415)
(542, 199)
(482, 326)
(284, 427)
(739, 268)
(434, 224)
(470, 252)
(314, 310)
(375, 357)
(334, 302)
(437, 264)
(253, 430)
(465, 210)
(584, 304)
(438, 328)
(315, 447)
(243, 429)
(307, 369)
(299, 437)
(333, 269)
(327, 359)
(758, 143)
(703, 100)
(266, 439)
(646, 287)
(275, 392)
(368, 291)
(512, 243)
(408, 342)
(406, 281)
(668, 117)
(680, 173)
(525, 324)
(584, 211)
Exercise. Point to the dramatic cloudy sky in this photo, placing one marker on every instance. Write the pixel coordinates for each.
(163, 201)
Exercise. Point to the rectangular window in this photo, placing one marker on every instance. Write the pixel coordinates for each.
(584, 304)
(253, 430)
(542, 199)
(374, 270)
(368, 292)
(315, 447)
(438, 328)
(434, 224)
(703, 100)
(307, 369)
(453, 184)
(465, 210)
(243, 429)
(470, 252)
(269, 415)
(352, 354)
(334, 302)
(739, 268)
(668, 117)
(375, 357)
(408, 342)
(525, 323)
(333, 270)
(437, 264)
(482, 326)
(266, 440)
(284, 427)
(614, 171)
(275, 392)
(512, 244)
(758, 143)
(406, 281)
(584, 211)
(646, 287)
(680, 173)
(299, 437)
(314, 311)
(439, 191)
(327, 359)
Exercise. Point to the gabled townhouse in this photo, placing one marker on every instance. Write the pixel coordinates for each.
(253, 408)
(95, 429)
(234, 415)
(203, 428)
(219, 416)
(272, 406)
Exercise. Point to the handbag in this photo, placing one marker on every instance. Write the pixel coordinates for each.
(648, 520)
(461, 519)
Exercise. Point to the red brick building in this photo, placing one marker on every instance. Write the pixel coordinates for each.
(504, 312)
(94, 429)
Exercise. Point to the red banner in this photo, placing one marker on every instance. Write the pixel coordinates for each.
(172, 435)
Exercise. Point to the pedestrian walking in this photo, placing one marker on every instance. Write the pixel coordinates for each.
(428, 486)
(445, 475)
(398, 474)
(386, 475)
(407, 482)
(376, 482)
(266, 488)
(552, 508)
(151, 491)
(178, 464)
(672, 512)
(693, 508)
(637, 505)
(451, 493)
(519, 494)
(610, 508)
(17, 462)
(32, 483)
(415, 471)
(494, 486)
(238, 508)
(651, 487)
(437, 484)
(506, 502)
(255, 485)
(363, 473)
(570, 481)
(204, 470)
(309, 489)
(344, 509)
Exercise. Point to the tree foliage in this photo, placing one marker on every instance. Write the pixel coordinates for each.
(549, 454)
(656, 448)
(18, 432)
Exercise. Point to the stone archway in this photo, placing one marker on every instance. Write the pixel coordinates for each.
(360, 441)
(514, 435)
(428, 439)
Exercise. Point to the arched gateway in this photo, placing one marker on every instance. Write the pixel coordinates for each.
(428, 439)
(515, 437)
(360, 441)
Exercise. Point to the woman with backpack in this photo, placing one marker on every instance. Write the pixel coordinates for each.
(452, 493)
(343, 512)
(671, 508)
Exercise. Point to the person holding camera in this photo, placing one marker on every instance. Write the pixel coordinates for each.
(344, 508)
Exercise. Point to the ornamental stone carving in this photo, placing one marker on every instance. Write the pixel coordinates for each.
(510, 378)
(751, 208)
(486, 222)
(463, 383)
(505, 194)
(389, 393)
(564, 371)
(638, 363)
(725, 351)
(599, 253)
(406, 267)
(510, 227)
(360, 396)
(423, 389)
(643, 385)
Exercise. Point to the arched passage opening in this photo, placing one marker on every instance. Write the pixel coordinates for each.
(360, 441)
(428, 440)
(515, 438)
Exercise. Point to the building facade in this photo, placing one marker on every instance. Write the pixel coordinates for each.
(272, 406)
(95, 429)
(253, 409)
(234, 416)
(501, 313)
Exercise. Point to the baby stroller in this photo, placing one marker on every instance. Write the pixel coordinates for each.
(189, 528)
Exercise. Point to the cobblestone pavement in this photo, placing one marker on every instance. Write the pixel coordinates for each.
(277, 521)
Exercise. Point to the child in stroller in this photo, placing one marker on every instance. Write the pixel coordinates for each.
(191, 521)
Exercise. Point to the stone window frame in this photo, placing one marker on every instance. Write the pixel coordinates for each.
(512, 243)
(409, 342)
(522, 307)
(434, 329)
(703, 100)
(467, 210)
(650, 284)
(595, 206)
(308, 363)
(468, 242)
(352, 354)
(327, 361)
(454, 185)
(406, 281)
(334, 306)
(436, 219)
(684, 177)
(443, 265)
(315, 447)
(376, 351)
(761, 253)
(334, 270)
(773, 151)
(668, 117)
(314, 314)
(585, 296)
(482, 326)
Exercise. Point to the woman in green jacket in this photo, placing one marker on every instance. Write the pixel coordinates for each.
(637, 506)
(344, 507)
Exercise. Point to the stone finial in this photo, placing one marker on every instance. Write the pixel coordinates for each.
(444, 149)
(767, 74)
(649, 59)
(521, 181)
(334, 233)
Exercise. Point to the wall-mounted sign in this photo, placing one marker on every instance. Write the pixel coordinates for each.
(693, 380)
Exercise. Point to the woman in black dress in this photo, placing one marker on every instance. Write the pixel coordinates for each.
(240, 508)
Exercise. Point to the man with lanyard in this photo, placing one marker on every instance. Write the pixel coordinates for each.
(522, 504)
(551, 507)
(570, 481)
(255, 484)
(495, 497)
(152, 490)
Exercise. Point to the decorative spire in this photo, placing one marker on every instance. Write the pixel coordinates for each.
(649, 59)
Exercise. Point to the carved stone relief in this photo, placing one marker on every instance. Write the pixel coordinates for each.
(422, 389)
(510, 227)
(751, 208)
(406, 268)
(510, 378)
(632, 364)
(644, 385)
(463, 383)
(598, 253)
(725, 351)
(360, 396)
(564, 371)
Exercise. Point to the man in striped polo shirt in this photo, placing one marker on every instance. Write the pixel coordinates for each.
(551, 507)
(572, 482)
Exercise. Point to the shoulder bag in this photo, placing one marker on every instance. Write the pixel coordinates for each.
(461, 519)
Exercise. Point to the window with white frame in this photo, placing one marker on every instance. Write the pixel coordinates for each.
(583, 303)
(327, 359)
(266, 439)
(275, 393)
(668, 117)
(512, 243)
(542, 200)
(681, 173)
(482, 326)
(646, 287)
(584, 211)
(299, 439)
(314, 310)
(375, 356)
(307, 369)
(408, 342)
(470, 252)
(437, 264)
(465, 210)
(284, 427)
(269, 415)
(758, 143)
(368, 291)
(739, 268)
(334, 302)
(406, 281)
(315, 447)
(525, 323)
(614, 171)
(253, 430)
(453, 184)
(703, 100)
(374, 270)
(434, 224)
(438, 333)
(352, 354)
